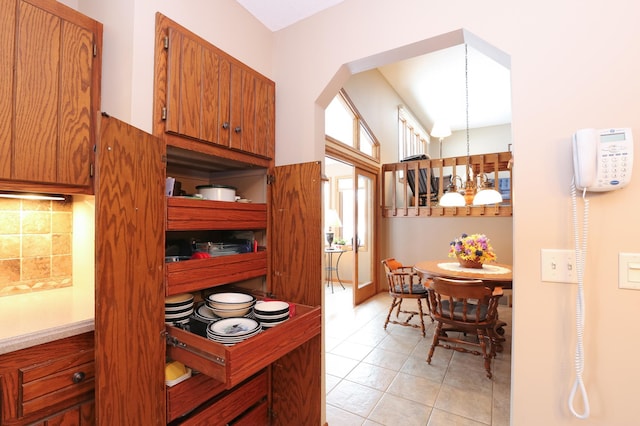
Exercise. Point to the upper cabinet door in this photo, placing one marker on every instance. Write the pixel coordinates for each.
(206, 95)
(192, 88)
(53, 95)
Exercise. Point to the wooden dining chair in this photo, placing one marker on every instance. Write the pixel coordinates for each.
(461, 308)
(405, 283)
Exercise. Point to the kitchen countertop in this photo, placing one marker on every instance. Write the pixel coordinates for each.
(34, 318)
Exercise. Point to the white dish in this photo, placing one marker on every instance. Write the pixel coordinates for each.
(178, 300)
(273, 307)
(233, 327)
(205, 312)
(230, 313)
(179, 316)
(271, 317)
(230, 300)
(272, 324)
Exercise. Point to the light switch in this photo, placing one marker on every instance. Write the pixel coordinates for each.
(629, 271)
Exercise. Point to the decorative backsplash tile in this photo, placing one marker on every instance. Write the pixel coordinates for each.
(35, 245)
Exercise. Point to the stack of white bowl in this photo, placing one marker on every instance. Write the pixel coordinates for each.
(231, 305)
(230, 331)
(271, 313)
(178, 309)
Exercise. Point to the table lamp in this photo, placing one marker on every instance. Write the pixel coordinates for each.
(331, 221)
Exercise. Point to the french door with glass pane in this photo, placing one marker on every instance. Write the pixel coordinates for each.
(357, 204)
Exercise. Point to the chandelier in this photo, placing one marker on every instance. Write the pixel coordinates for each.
(476, 193)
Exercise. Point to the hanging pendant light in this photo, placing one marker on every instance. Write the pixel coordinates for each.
(485, 194)
(453, 198)
(469, 184)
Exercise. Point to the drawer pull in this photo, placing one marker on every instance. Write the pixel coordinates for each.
(78, 377)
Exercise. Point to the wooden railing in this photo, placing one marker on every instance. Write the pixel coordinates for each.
(430, 180)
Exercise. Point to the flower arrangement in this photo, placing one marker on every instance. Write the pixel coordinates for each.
(474, 247)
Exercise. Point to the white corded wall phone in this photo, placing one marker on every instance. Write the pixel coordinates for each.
(602, 161)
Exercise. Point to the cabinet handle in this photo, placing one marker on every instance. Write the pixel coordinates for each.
(78, 377)
(237, 129)
(225, 125)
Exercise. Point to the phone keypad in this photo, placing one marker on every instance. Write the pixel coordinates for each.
(615, 166)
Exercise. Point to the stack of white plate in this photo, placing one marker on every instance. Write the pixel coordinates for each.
(230, 331)
(178, 309)
(271, 313)
(230, 305)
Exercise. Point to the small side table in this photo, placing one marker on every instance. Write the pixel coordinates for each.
(330, 268)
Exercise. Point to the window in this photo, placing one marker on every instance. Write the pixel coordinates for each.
(344, 124)
(412, 138)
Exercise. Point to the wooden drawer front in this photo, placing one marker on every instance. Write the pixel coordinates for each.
(191, 214)
(197, 274)
(188, 395)
(256, 416)
(232, 364)
(232, 404)
(45, 385)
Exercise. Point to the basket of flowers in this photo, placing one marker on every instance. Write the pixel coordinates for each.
(472, 251)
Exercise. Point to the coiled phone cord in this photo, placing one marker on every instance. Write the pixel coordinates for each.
(581, 253)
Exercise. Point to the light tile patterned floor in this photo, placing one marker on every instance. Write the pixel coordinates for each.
(381, 377)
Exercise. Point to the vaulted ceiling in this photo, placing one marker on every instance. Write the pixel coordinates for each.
(432, 86)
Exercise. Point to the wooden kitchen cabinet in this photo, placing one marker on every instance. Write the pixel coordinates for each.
(207, 97)
(297, 186)
(133, 217)
(49, 384)
(50, 80)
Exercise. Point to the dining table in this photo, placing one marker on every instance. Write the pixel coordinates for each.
(498, 276)
(494, 274)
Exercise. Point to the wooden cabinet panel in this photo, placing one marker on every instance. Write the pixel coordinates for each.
(37, 383)
(192, 88)
(129, 319)
(206, 95)
(264, 123)
(7, 47)
(55, 94)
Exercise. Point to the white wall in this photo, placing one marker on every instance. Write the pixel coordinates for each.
(572, 67)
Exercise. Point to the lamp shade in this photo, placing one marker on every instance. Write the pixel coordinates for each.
(452, 199)
(487, 196)
(440, 130)
(331, 219)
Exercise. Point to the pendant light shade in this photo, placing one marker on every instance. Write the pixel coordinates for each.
(452, 199)
(487, 196)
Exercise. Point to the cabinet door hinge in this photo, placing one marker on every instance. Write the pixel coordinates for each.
(271, 179)
(95, 50)
(166, 42)
(164, 113)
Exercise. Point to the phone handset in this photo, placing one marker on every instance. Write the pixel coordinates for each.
(585, 154)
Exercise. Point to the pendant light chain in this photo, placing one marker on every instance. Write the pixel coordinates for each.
(466, 92)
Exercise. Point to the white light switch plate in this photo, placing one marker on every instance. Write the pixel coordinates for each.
(558, 266)
(629, 271)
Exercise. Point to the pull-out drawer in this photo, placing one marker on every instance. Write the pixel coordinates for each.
(245, 402)
(232, 364)
(196, 274)
(191, 214)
